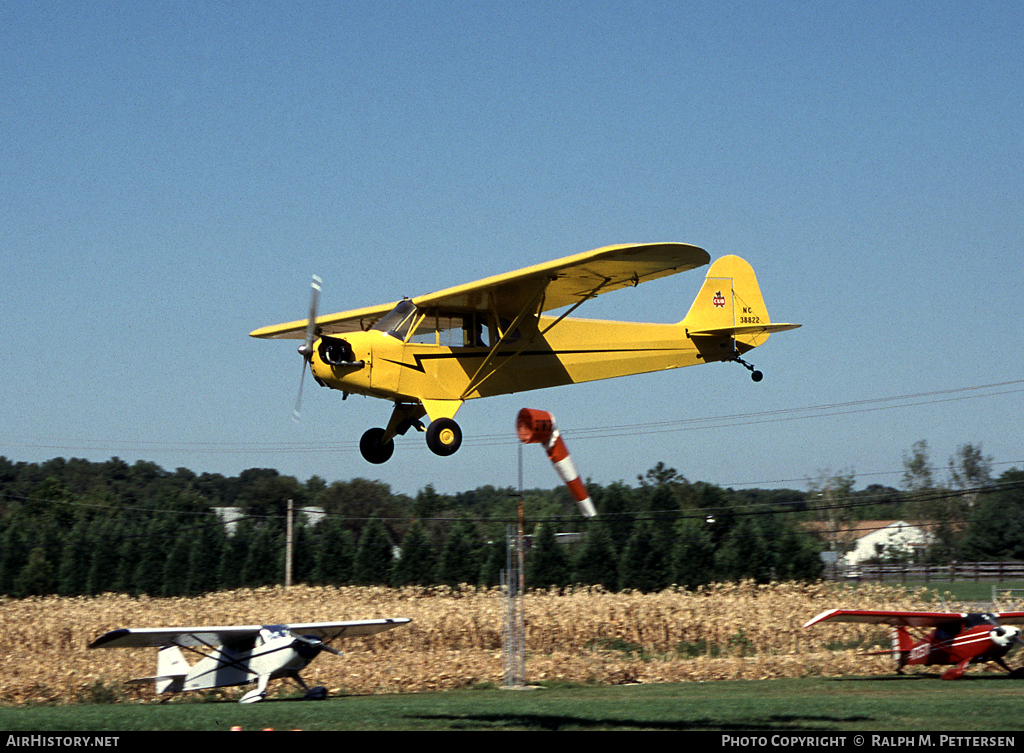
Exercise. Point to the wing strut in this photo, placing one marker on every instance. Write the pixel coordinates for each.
(478, 380)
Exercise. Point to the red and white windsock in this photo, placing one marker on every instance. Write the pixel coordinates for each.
(538, 427)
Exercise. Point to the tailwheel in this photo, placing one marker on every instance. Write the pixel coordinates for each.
(444, 437)
(756, 375)
(375, 450)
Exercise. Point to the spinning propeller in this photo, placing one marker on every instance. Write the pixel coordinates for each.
(316, 644)
(306, 349)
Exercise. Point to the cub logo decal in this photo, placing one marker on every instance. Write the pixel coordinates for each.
(719, 299)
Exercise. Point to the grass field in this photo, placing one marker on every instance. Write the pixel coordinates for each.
(981, 702)
(731, 656)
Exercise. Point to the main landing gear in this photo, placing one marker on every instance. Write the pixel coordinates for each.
(444, 437)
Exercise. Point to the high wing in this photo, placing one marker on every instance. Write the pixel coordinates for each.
(220, 636)
(552, 285)
(908, 619)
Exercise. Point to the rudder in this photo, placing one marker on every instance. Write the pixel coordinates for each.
(902, 643)
(171, 669)
(729, 298)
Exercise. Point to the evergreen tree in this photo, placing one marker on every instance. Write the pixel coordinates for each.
(105, 538)
(460, 559)
(36, 578)
(644, 563)
(744, 554)
(595, 564)
(73, 569)
(264, 562)
(234, 554)
(416, 564)
(546, 564)
(335, 553)
(616, 510)
(797, 556)
(997, 530)
(14, 549)
(176, 566)
(208, 544)
(147, 549)
(494, 556)
(692, 555)
(373, 560)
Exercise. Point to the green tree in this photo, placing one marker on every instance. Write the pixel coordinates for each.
(595, 565)
(373, 560)
(917, 470)
(692, 555)
(997, 529)
(73, 570)
(546, 564)
(335, 552)
(175, 570)
(208, 543)
(264, 562)
(36, 578)
(744, 554)
(460, 559)
(644, 563)
(494, 556)
(616, 509)
(417, 561)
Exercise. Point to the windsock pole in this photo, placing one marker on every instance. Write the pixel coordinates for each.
(538, 427)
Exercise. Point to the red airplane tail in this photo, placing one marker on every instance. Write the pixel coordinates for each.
(902, 643)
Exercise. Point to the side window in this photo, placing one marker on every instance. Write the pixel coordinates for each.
(456, 330)
(453, 330)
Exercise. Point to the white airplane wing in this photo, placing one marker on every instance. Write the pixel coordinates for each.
(223, 635)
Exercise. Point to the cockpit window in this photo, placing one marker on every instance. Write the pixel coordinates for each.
(397, 322)
(466, 329)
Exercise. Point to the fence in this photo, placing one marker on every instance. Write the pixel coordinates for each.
(975, 571)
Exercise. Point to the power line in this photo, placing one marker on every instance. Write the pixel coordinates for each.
(911, 400)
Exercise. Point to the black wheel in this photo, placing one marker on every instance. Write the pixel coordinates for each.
(444, 437)
(757, 376)
(373, 450)
(316, 694)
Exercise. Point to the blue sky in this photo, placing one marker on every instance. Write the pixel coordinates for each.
(172, 174)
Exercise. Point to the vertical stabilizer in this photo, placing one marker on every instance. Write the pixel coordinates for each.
(171, 669)
(729, 298)
(902, 643)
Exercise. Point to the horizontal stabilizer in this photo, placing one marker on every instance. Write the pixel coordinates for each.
(158, 678)
(746, 329)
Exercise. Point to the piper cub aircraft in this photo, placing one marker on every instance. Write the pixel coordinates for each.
(956, 639)
(239, 655)
(430, 354)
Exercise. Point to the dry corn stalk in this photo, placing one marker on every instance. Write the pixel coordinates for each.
(724, 631)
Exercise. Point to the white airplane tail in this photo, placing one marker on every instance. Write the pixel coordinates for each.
(171, 670)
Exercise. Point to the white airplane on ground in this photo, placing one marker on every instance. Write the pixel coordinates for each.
(241, 654)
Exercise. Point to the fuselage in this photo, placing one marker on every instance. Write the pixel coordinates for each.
(976, 644)
(576, 350)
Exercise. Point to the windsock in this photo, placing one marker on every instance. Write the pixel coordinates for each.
(537, 426)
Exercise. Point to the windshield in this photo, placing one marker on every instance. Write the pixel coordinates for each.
(397, 322)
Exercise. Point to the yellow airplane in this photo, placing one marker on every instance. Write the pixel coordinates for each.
(430, 354)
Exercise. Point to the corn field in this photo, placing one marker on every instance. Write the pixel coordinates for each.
(586, 635)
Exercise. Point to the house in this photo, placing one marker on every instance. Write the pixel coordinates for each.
(895, 539)
(852, 543)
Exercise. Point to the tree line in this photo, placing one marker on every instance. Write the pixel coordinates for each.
(75, 527)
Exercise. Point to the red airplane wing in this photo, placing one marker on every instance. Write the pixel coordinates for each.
(908, 619)
(883, 617)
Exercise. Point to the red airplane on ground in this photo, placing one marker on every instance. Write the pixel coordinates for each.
(958, 638)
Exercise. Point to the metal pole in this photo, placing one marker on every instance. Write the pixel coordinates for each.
(288, 548)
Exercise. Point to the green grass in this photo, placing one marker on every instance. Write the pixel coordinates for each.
(961, 590)
(978, 702)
